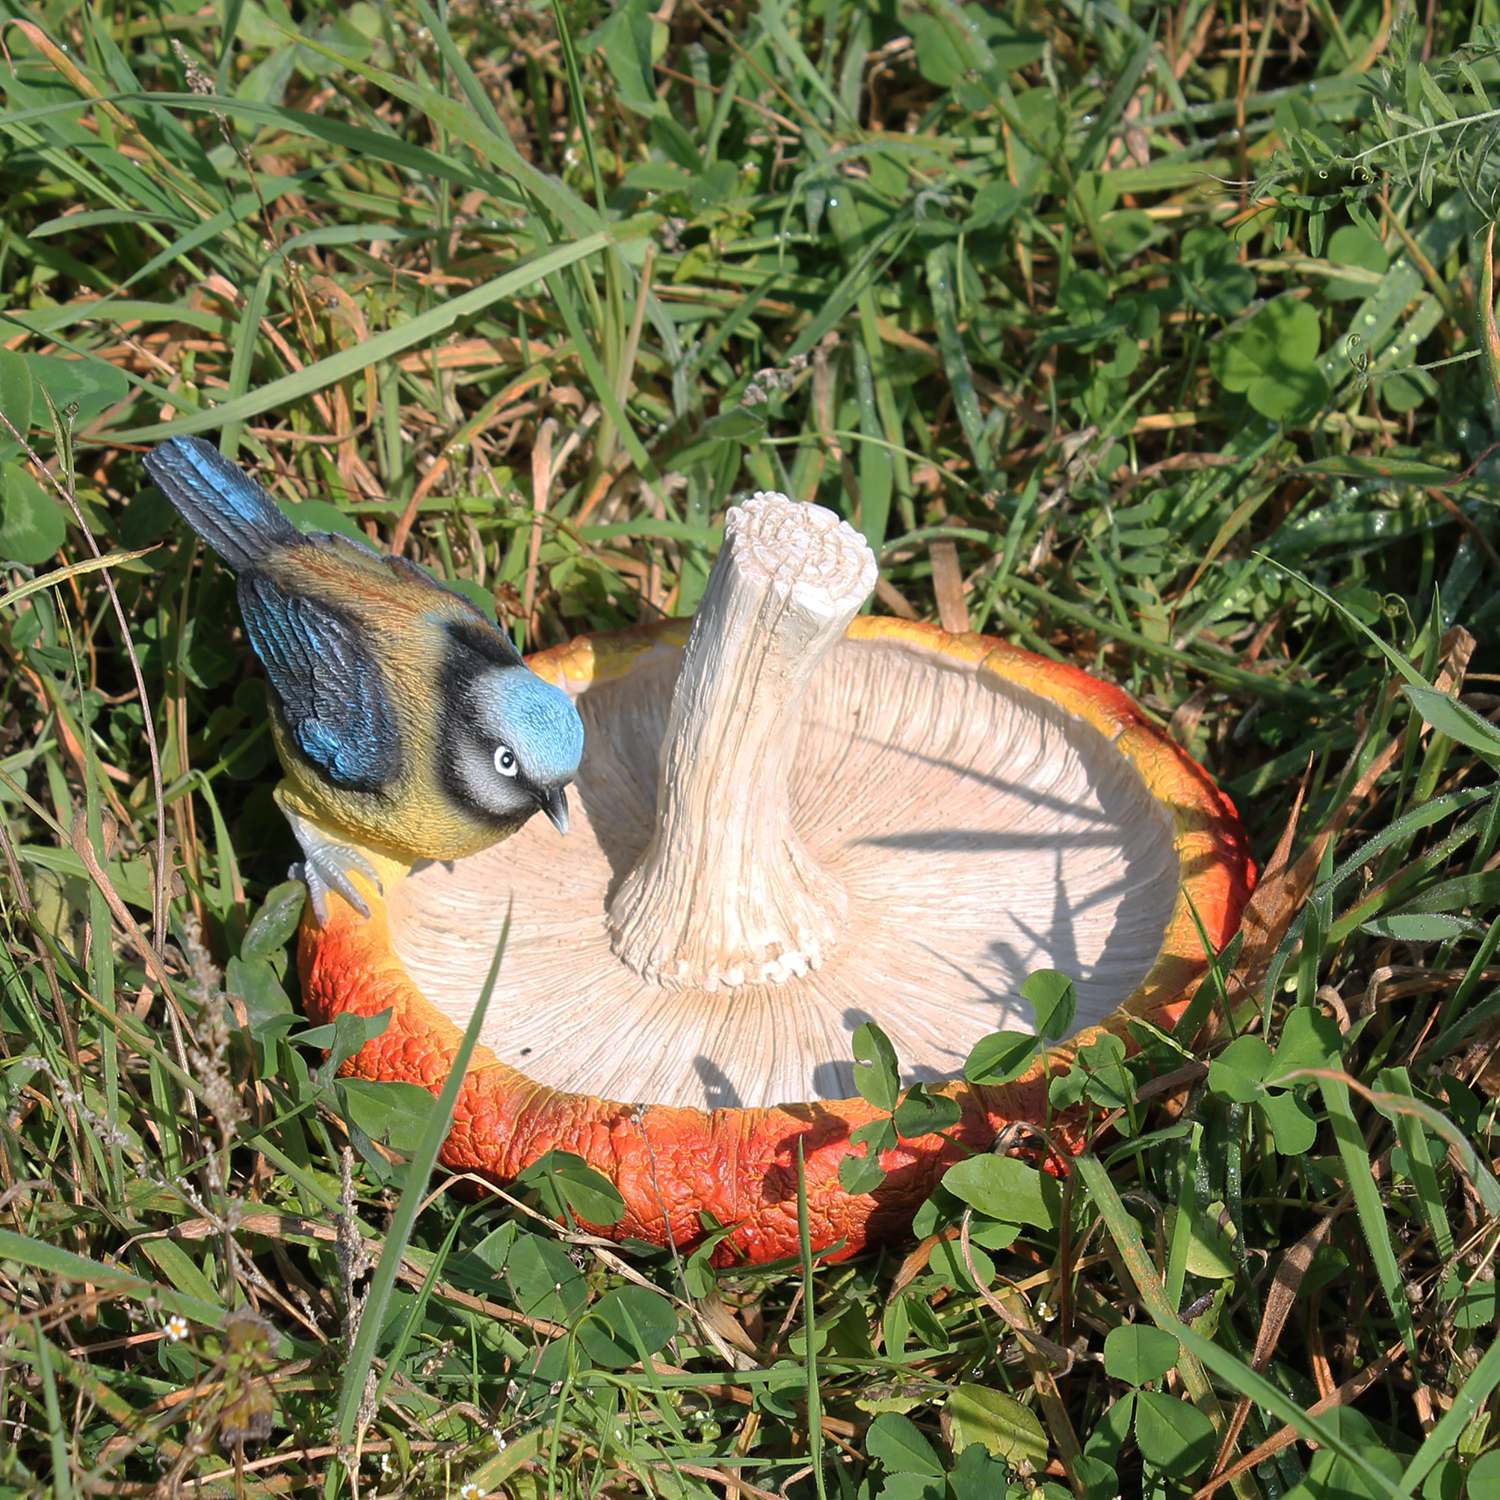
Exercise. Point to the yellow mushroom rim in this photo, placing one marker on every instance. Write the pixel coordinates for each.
(682, 1169)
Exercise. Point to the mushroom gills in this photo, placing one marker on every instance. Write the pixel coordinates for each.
(976, 831)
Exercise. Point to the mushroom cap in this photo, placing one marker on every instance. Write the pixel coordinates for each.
(986, 812)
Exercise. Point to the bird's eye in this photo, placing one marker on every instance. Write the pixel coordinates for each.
(505, 760)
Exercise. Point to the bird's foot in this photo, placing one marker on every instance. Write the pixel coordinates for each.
(326, 866)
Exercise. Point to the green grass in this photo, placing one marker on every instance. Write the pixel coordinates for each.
(1167, 330)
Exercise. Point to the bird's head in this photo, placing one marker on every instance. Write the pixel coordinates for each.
(514, 743)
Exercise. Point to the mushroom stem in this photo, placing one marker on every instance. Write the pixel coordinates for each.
(726, 893)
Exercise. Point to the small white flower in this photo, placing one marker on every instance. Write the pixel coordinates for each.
(468, 1490)
(499, 1438)
(1045, 1312)
(385, 1463)
(176, 1328)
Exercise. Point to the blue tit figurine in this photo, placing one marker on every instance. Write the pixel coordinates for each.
(403, 716)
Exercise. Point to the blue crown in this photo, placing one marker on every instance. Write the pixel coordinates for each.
(548, 734)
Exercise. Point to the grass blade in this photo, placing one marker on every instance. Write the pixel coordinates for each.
(1367, 1202)
(812, 1387)
(413, 1194)
(419, 330)
(1446, 1431)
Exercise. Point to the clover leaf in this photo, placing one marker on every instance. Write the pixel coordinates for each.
(1272, 359)
(1240, 1073)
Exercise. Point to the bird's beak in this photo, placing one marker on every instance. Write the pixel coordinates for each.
(555, 805)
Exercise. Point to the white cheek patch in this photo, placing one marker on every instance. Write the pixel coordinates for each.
(485, 786)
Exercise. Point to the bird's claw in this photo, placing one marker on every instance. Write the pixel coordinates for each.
(326, 866)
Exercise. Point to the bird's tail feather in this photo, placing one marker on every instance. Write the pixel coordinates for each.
(224, 505)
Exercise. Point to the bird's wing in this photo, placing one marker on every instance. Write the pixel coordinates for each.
(332, 692)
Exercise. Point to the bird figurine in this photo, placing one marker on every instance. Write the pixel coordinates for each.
(404, 718)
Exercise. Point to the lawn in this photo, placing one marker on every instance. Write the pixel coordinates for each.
(1156, 339)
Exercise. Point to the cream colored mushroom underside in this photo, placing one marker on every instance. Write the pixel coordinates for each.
(980, 832)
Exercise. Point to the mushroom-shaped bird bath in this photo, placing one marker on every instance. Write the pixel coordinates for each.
(788, 821)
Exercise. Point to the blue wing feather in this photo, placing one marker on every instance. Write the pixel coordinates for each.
(328, 684)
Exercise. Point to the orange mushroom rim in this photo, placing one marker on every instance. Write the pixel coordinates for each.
(682, 1170)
